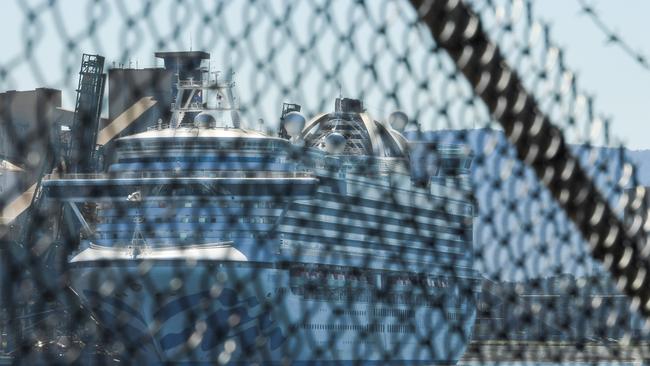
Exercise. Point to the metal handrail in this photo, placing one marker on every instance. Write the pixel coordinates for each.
(180, 174)
(203, 84)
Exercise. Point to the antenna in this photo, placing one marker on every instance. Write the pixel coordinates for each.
(190, 41)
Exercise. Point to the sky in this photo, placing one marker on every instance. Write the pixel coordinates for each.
(620, 86)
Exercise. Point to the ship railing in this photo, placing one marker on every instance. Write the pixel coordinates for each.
(178, 174)
(192, 107)
(203, 84)
(199, 107)
(161, 126)
(192, 84)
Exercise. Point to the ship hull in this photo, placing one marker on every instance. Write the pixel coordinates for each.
(202, 312)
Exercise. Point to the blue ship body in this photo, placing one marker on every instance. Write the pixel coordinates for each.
(211, 243)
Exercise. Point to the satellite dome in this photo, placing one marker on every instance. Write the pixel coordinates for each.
(204, 120)
(335, 143)
(398, 120)
(293, 123)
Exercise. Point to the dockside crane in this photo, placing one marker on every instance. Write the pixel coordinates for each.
(47, 234)
(75, 154)
(43, 223)
(81, 155)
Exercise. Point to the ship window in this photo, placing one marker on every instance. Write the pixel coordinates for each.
(213, 220)
(203, 219)
(188, 204)
(183, 235)
(185, 219)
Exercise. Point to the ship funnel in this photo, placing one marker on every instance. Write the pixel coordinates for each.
(348, 105)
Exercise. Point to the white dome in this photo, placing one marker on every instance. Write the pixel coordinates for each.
(398, 120)
(204, 120)
(362, 135)
(335, 143)
(293, 123)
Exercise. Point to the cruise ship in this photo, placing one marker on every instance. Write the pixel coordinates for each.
(206, 242)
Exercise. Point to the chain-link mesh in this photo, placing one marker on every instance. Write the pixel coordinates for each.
(301, 220)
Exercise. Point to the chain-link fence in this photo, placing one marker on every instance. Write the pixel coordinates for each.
(348, 182)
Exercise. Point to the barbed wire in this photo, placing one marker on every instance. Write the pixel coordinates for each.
(612, 37)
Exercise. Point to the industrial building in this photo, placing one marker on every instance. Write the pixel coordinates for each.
(127, 86)
(33, 123)
(25, 120)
